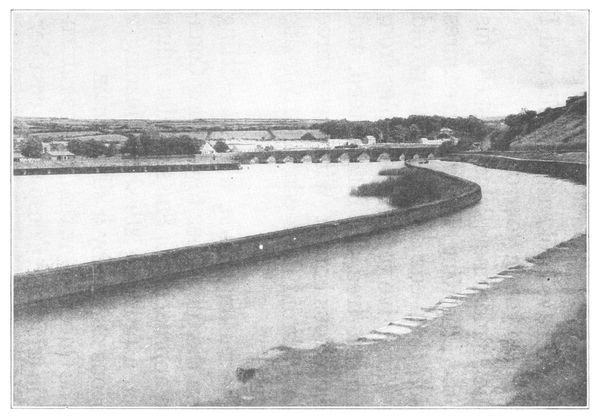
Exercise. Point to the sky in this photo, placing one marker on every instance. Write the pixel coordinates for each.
(355, 65)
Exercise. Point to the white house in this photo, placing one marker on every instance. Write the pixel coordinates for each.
(207, 149)
(58, 155)
(436, 142)
(56, 150)
(370, 140)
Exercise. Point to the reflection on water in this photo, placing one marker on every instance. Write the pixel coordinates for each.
(179, 344)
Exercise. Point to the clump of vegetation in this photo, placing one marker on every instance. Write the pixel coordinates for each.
(90, 148)
(221, 147)
(150, 143)
(407, 130)
(32, 148)
(406, 187)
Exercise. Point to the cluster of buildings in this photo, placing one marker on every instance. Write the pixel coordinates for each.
(55, 150)
(445, 134)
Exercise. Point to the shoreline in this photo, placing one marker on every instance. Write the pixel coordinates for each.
(520, 342)
(29, 287)
(573, 170)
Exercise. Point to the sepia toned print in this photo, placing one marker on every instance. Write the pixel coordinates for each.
(299, 208)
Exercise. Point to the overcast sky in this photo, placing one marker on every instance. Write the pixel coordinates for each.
(355, 65)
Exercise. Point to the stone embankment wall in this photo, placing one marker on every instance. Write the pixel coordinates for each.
(574, 171)
(110, 169)
(82, 278)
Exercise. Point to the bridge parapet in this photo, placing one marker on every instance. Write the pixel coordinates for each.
(370, 154)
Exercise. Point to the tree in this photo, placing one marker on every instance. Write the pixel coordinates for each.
(112, 150)
(32, 148)
(87, 148)
(399, 134)
(221, 147)
(308, 136)
(133, 145)
(414, 133)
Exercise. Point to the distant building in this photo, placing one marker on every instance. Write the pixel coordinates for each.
(56, 150)
(447, 134)
(207, 149)
(58, 155)
(435, 142)
(370, 140)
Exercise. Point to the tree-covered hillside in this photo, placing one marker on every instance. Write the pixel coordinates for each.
(407, 130)
(556, 128)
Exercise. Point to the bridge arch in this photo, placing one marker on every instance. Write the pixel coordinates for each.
(384, 157)
(325, 158)
(271, 159)
(416, 156)
(344, 158)
(288, 159)
(431, 156)
(363, 158)
(255, 160)
(306, 159)
(402, 157)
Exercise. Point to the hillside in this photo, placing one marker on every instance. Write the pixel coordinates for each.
(567, 132)
(555, 129)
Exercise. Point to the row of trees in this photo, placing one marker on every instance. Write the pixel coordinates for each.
(91, 148)
(145, 144)
(406, 130)
(33, 148)
(150, 143)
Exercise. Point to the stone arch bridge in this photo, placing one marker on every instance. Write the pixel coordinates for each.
(371, 154)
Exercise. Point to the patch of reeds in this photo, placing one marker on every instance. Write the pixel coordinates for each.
(405, 187)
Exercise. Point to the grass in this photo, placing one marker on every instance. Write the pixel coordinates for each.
(409, 186)
(559, 375)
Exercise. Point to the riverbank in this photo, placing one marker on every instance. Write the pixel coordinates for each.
(565, 156)
(573, 168)
(118, 165)
(89, 277)
(519, 342)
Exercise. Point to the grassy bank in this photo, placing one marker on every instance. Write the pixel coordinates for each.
(521, 342)
(410, 186)
(556, 374)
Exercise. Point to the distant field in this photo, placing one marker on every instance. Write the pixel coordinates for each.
(200, 135)
(240, 135)
(64, 134)
(297, 134)
(70, 126)
(103, 137)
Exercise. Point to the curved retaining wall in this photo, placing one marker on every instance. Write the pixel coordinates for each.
(51, 283)
(570, 170)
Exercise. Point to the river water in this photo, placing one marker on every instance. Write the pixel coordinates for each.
(68, 219)
(180, 343)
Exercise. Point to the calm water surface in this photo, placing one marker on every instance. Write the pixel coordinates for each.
(180, 343)
(69, 219)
